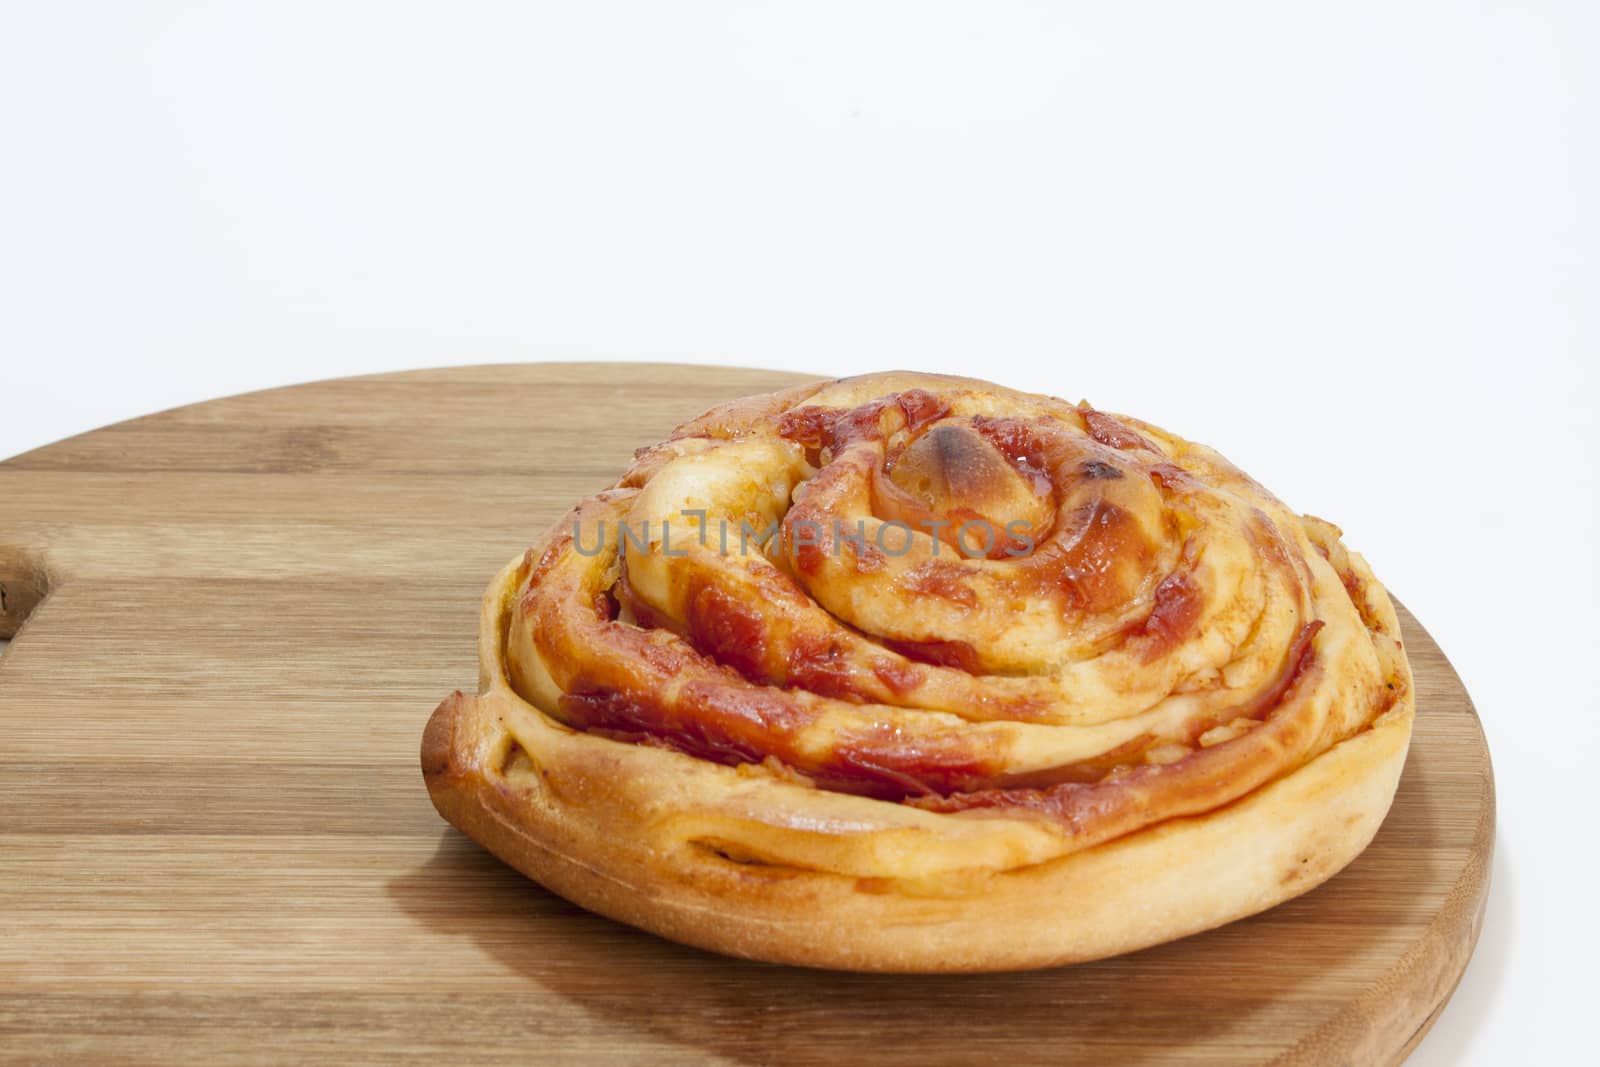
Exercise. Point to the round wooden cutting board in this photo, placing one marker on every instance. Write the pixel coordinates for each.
(217, 847)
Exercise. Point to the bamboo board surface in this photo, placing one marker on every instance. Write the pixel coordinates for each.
(217, 848)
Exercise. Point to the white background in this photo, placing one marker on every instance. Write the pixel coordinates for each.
(1352, 245)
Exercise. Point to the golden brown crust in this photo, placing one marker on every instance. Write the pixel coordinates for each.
(1046, 829)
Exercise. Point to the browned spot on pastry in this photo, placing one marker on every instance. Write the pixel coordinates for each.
(1085, 771)
(606, 604)
(867, 556)
(809, 426)
(1269, 543)
(944, 579)
(912, 767)
(921, 407)
(955, 474)
(899, 677)
(1296, 661)
(1029, 448)
(957, 654)
(559, 546)
(1112, 433)
(822, 665)
(835, 428)
(1173, 478)
(1178, 604)
(729, 630)
(643, 614)
(1096, 567)
(1356, 587)
(720, 738)
(877, 886)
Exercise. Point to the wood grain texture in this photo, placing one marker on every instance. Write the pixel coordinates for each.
(217, 847)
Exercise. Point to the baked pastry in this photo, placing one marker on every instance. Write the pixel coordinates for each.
(912, 673)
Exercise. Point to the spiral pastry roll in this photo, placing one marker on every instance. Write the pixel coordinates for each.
(917, 673)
